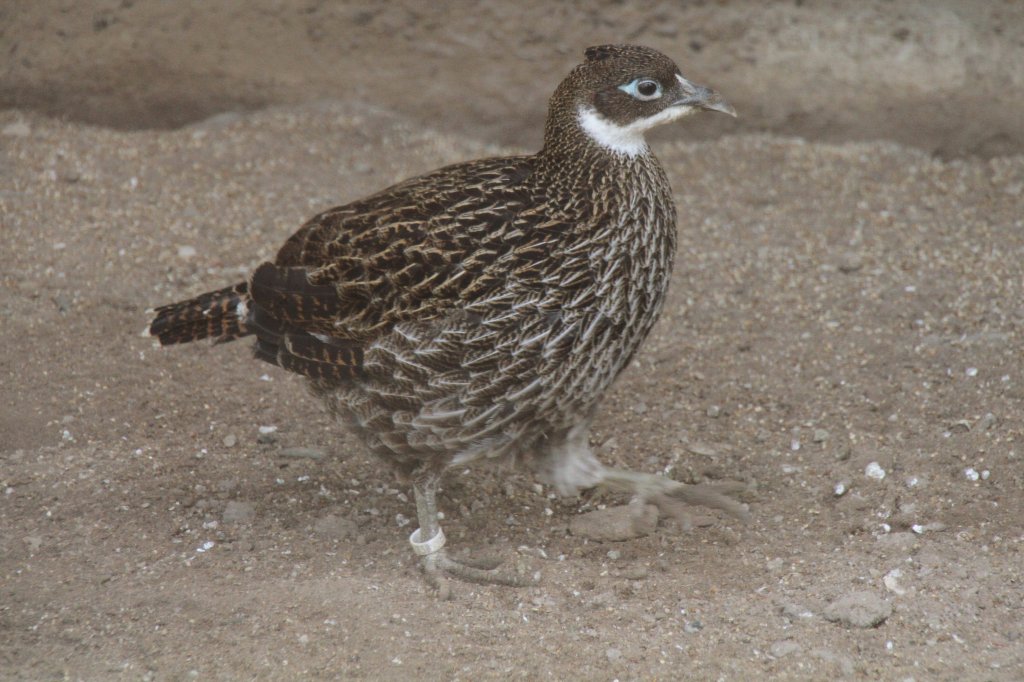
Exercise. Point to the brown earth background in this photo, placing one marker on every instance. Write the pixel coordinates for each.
(847, 299)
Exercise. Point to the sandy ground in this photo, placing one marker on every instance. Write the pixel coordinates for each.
(837, 310)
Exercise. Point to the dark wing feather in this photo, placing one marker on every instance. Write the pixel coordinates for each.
(411, 252)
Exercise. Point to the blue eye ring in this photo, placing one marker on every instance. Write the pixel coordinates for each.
(643, 89)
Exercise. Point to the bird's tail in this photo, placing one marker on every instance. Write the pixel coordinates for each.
(222, 315)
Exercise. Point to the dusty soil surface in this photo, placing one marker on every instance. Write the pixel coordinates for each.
(837, 311)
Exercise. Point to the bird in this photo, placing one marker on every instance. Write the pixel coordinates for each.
(481, 311)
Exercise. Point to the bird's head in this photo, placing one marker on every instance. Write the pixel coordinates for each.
(621, 91)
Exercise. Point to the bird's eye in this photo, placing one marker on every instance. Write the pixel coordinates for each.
(643, 89)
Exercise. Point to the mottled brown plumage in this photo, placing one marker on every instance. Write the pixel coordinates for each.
(482, 310)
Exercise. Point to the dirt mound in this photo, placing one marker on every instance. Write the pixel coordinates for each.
(945, 77)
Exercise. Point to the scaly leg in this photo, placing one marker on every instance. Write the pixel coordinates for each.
(428, 541)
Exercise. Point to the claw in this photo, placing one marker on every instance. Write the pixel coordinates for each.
(672, 497)
(437, 565)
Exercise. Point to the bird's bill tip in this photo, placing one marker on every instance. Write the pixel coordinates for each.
(702, 97)
(719, 104)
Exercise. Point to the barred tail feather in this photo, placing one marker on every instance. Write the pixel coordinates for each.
(222, 315)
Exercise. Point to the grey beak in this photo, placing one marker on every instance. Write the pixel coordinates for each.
(703, 98)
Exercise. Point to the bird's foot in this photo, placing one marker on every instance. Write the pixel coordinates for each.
(438, 566)
(672, 497)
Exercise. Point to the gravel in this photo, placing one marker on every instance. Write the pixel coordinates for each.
(859, 610)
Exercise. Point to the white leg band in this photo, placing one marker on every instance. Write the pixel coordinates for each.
(430, 546)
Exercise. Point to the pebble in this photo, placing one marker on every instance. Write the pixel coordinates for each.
(891, 581)
(299, 453)
(702, 449)
(239, 512)
(266, 438)
(795, 611)
(230, 440)
(613, 655)
(783, 647)
(874, 471)
(851, 261)
(615, 524)
(859, 609)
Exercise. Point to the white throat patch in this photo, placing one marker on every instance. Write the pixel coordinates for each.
(628, 139)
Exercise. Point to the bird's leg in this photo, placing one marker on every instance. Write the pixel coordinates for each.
(428, 541)
(671, 496)
(570, 466)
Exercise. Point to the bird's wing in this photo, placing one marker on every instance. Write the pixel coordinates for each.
(415, 252)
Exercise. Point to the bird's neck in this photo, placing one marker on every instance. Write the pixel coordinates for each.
(578, 131)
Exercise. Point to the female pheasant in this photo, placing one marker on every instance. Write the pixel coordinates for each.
(482, 310)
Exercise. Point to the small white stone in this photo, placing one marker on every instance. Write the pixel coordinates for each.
(891, 581)
(971, 371)
(186, 251)
(874, 470)
(840, 488)
(971, 473)
(267, 429)
(985, 473)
